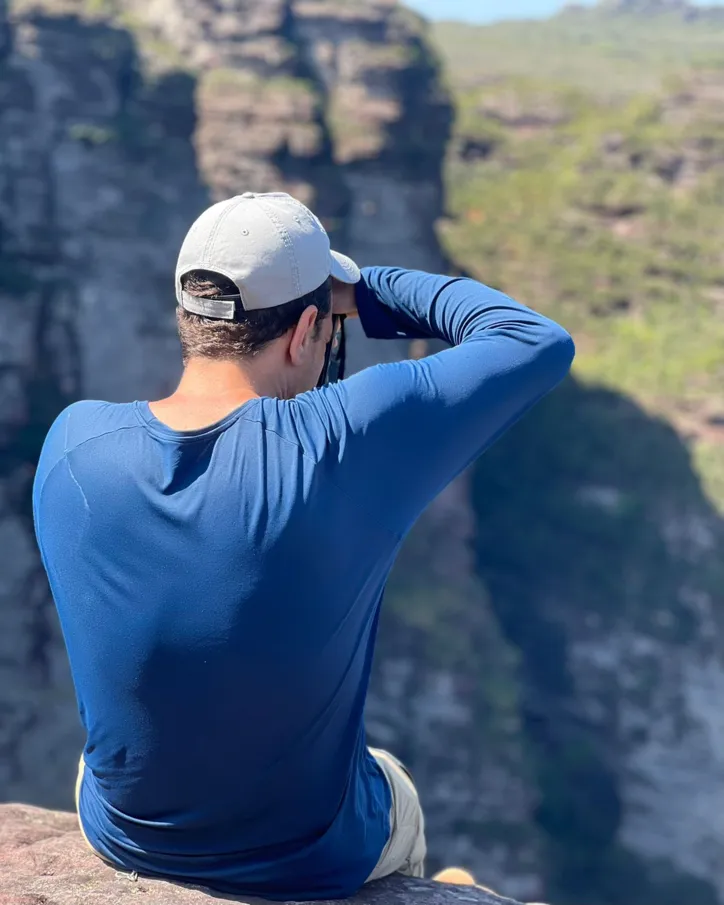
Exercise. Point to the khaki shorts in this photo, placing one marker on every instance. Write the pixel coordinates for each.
(78, 783)
(405, 850)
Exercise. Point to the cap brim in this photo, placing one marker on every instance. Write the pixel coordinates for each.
(344, 269)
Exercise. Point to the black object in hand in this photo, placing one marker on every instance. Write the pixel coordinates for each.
(334, 358)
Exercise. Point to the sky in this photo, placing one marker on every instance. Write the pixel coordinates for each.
(492, 10)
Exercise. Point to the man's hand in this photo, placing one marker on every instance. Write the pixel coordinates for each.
(343, 299)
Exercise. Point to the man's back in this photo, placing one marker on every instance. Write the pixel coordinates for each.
(219, 590)
(219, 602)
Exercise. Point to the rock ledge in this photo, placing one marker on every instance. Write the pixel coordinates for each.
(44, 861)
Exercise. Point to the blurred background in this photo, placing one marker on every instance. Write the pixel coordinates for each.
(551, 661)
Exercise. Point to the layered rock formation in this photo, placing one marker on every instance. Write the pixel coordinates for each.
(118, 123)
(99, 180)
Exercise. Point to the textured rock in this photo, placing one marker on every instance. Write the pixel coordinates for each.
(619, 631)
(44, 861)
(96, 189)
(118, 122)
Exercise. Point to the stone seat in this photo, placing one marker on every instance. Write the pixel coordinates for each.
(44, 861)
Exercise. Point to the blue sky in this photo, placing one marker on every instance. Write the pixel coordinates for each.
(490, 10)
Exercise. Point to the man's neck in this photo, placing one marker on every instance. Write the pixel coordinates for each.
(209, 391)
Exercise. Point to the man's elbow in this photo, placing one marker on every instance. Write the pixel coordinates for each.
(566, 347)
(560, 351)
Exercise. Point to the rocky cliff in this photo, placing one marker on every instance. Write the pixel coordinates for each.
(118, 122)
(45, 861)
(586, 175)
(550, 661)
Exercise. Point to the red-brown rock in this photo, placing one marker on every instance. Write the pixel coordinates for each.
(44, 861)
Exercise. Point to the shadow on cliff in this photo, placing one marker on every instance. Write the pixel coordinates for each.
(573, 506)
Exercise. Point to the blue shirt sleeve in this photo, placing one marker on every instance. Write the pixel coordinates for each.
(53, 452)
(398, 433)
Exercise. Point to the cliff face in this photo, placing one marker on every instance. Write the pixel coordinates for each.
(550, 659)
(590, 149)
(118, 123)
(98, 181)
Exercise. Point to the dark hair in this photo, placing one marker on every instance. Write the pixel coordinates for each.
(205, 337)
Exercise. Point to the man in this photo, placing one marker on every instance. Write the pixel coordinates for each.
(218, 558)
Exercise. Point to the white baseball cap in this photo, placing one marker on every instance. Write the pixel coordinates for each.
(270, 246)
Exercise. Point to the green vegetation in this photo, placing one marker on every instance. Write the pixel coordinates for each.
(586, 178)
(599, 206)
(157, 56)
(260, 89)
(607, 54)
(91, 134)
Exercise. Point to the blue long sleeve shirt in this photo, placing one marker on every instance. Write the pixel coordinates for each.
(219, 590)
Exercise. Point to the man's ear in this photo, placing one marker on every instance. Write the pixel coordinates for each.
(302, 335)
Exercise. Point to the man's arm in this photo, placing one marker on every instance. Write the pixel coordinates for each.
(401, 432)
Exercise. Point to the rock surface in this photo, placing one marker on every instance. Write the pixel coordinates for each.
(119, 121)
(44, 861)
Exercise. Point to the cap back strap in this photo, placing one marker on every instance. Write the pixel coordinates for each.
(224, 307)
